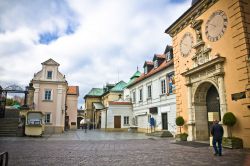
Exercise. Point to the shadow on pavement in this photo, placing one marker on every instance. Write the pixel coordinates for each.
(192, 144)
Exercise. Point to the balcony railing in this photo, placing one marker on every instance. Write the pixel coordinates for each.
(4, 157)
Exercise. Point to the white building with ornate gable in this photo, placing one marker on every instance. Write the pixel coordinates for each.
(153, 94)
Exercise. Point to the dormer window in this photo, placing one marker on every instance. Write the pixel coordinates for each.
(155, 64)
(49, 75)
(169, 56)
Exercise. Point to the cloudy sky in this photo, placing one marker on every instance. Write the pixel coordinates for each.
(94, 41)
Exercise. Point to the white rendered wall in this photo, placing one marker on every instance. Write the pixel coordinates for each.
(165, 103)
(117, 110)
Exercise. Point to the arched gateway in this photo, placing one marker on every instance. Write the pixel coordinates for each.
(206, 109)
(205, 97)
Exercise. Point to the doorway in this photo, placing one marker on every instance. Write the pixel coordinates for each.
(213, 106)
(78, 122)
(117, 121)
(67, 123)
(206, 109)
(164, 121)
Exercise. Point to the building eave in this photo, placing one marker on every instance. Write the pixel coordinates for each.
(170, 63)
(190, 15)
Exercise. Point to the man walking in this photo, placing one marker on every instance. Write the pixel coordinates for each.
(83, 124)
(217, 133)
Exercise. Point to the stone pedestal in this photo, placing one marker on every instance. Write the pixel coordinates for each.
(191, 136)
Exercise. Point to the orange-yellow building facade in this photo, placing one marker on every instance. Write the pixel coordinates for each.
(212, 64)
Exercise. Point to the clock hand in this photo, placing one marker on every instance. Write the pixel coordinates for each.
(212, 25)
(184, 44)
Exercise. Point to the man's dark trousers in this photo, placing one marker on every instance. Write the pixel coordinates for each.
(219, 149)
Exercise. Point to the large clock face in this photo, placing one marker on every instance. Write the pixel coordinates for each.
(186, 44)
(216, 25)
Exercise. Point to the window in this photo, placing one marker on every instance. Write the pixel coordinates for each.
(163, 87)
(155, 64)
(140, 94)
(47, 117)
(169, 56)
(145, 70)
(48, 95)
(149, 91)
(134, 97)
(126, 120)
(49, 75)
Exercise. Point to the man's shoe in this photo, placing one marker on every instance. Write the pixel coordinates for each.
(215, 154)
(220, 154)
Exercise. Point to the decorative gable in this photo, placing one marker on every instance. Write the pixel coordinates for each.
(50, 62)
(49, 72)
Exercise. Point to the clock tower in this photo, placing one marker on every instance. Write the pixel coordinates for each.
(212, 66)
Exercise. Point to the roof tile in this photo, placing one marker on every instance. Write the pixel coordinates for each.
(73, 90)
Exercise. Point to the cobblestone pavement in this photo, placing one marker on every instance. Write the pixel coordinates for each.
(117, 152)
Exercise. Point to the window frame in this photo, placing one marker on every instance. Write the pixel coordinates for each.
(149, 90)
(140, 95)
(126, 120)
(46, 119)
(168, 56)
(49, 74)
(133, 96)
(163, 86)
(156, 63)
(46, 97)
(145, 69)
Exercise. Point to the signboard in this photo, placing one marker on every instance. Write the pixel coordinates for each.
(153, 110)
(237, 96)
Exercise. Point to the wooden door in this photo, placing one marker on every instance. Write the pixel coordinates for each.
(117, 121)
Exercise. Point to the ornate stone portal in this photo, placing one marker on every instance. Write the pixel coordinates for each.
(206, 72)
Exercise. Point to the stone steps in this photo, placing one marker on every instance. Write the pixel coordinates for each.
(163, 133)
(8, 127)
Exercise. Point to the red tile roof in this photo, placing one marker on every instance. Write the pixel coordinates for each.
(73, 90)
(148, 63)
(119, 103)
(164, 65)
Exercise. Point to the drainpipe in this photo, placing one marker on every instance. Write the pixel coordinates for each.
(106, 113)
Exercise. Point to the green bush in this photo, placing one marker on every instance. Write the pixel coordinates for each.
(233, 142)
(229, 119)
(184, 136)
(179, 122)
(181, 137)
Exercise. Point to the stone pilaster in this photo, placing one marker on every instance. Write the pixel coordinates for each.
(190, 123)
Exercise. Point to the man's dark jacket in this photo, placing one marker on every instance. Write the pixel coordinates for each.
(217, 131)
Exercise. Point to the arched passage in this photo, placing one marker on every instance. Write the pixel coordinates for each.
(78, 121)
(206, 109)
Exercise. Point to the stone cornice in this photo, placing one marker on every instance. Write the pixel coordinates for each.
(49, 82)
(204, 66)
(189, 16)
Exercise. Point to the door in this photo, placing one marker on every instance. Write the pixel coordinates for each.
(78, 122)
(164, 121)
(66, 122)
(117, 121)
